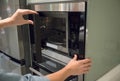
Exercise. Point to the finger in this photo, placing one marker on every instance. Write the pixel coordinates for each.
(84, 61)
(29, 22)
(87, 65)
(27, 11)
(86, 71)
(75, 57)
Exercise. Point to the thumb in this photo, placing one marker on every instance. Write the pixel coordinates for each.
(75, 57)
(29, 22)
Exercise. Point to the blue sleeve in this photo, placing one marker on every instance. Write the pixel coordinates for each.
(30, 77)
(16, 77)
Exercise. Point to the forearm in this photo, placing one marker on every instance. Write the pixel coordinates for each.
(5, 22)
(60, 75)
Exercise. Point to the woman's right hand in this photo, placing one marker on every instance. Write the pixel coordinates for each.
(78, 67)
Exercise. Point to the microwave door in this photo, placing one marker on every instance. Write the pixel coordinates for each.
(37, 33)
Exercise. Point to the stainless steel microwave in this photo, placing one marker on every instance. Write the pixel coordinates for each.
(59, 32)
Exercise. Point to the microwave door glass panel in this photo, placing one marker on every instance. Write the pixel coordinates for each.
(53, 31)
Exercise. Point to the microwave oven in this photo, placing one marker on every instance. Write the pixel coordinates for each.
(57, 34)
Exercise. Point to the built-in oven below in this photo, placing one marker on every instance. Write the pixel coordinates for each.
(49, 66)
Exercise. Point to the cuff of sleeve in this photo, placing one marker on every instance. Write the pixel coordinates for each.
(30, 77)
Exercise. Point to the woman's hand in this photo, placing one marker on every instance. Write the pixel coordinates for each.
(78, 67)
(74, 67)
(17, 17)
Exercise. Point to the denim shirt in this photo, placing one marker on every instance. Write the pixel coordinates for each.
(16, 77)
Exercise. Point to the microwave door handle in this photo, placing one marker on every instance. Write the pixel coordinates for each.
(35, 71)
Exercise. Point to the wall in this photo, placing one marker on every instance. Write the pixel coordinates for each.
(103, 41)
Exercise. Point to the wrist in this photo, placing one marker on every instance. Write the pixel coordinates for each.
(68, 71)
(9, 21)
(5, 22)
